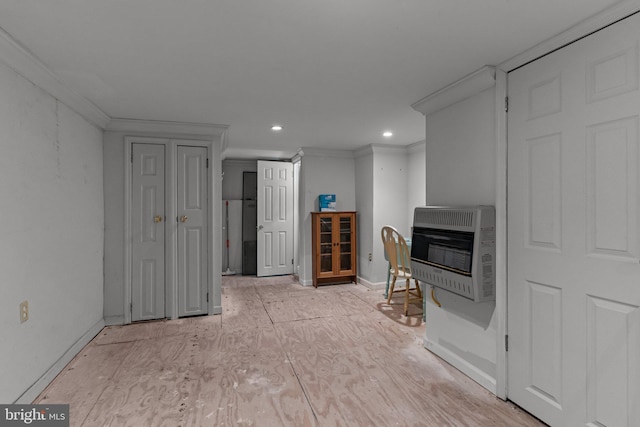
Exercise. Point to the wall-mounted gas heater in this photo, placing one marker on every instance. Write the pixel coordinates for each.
(454, 248)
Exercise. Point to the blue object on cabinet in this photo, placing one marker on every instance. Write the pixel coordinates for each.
(327, 202)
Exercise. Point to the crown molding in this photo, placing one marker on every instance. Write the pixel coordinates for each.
(22, 61)
(230, 153)
(367, 150)
(170, 128)
(389, 149)
(607, 17)
(371, 149)
(224, 139)
(417, 147)
(469, 85)
(240, 162)
(321, 152)
(298, 156)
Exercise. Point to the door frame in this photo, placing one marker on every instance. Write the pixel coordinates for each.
(171, 209)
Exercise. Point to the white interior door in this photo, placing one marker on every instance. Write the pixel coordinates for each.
(573, 232)
(147, 232)
(275, 218)
(193, 272)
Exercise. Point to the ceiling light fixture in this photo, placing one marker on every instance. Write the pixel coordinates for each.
(387, 134)
(276, 128)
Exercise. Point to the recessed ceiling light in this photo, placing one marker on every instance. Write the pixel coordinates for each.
(276, 128)
(387, 134)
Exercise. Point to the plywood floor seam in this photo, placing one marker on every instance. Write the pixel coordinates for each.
(280, 354)
(90, 407)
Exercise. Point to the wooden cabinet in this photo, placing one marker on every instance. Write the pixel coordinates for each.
(334, 247)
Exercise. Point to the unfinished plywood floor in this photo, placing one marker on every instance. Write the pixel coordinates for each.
(279, 355)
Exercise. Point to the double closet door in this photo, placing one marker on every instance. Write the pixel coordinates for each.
(574, 231)
(169, 231)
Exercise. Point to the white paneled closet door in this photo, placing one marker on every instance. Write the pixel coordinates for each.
(193, 222)
(574, 232)
(147, 232)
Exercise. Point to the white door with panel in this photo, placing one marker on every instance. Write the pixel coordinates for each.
(275, 218)
(193, 266)
(147, 232)
(574, 232)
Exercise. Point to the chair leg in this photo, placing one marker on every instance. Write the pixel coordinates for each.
(418, 288)
(406, 298)
(386, 289)
(393, 284)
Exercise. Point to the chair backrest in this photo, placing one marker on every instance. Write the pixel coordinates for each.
(396, 249)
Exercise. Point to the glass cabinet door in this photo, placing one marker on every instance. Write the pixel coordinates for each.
(326, 245)
(346, 230)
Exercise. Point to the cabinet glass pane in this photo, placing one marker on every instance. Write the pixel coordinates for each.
(325, 225)
(345, 261)
(326, 249)
(325, 264)
(345, 225)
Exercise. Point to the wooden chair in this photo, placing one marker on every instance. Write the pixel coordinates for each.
(399, 258)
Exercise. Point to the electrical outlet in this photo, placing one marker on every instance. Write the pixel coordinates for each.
(24, 311)
(370, 257)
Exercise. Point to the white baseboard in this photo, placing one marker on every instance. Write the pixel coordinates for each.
(374, 286)
(114, 320)
(305, 282)
(481, 377)
(41, 383)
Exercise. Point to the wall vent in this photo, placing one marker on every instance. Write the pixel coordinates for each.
(445, 217)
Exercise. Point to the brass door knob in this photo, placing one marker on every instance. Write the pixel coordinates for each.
(183, 218)
(157, 218)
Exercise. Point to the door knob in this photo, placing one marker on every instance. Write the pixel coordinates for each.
(183, 218)
(260, 227)
(157, 218)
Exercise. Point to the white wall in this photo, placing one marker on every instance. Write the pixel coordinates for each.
(461, 153)
(364, 206)
(296, 215)
(233, 177)
(417, 178)
(390, 180)
(322, 172)
(390, 183)
(302, 262)
(233, 261)
(460, 170)
(114, 227)
(51, 228)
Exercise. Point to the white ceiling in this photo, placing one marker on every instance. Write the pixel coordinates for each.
(334, 73)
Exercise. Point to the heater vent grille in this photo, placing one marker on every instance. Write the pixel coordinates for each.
(460, 285)
(445, 217)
